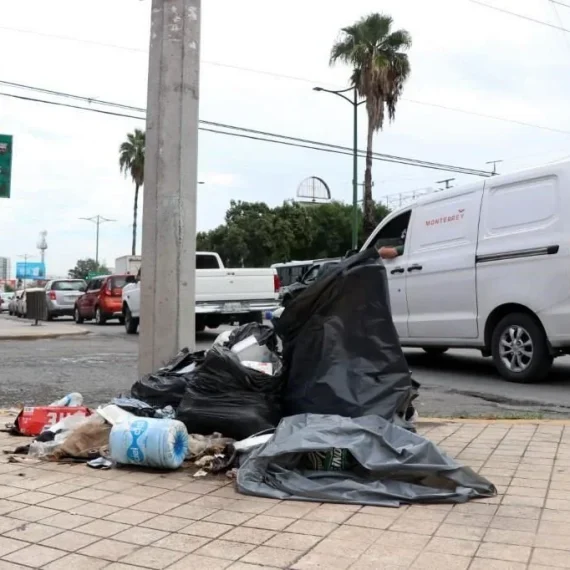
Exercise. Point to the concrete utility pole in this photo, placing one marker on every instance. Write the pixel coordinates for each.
(170, 180)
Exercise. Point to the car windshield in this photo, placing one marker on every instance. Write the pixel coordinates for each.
(68, 286)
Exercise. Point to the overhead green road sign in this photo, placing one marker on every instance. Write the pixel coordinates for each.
(6, 143)
(93, 274)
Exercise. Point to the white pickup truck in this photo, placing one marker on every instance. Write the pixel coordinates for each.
(223, 296)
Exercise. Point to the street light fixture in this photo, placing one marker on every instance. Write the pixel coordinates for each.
(355, 103)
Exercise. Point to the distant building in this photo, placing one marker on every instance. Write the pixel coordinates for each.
(5, 268)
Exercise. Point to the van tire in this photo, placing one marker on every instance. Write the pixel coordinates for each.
(535, 362)
(435, 350)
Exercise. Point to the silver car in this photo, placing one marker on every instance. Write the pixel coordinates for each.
(61, 295)
(14, 303)
(5, 299)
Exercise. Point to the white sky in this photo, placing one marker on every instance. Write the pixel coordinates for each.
(464, 56)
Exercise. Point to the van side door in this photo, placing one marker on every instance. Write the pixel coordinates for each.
(440, 274)
(393, 233)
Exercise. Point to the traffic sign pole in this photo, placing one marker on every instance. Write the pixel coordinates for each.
(6, 144)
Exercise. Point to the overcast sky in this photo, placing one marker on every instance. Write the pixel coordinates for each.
(465, 57)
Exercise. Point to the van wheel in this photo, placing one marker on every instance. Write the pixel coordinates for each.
(435, 350)
(520, 349)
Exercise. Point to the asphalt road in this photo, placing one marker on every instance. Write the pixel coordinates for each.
(102, 365)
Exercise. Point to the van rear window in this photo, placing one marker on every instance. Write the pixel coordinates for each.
(119, 282)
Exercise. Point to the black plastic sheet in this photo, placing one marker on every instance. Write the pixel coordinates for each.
(223, 395)
(167, 387)
(380, 464)
(340, 347)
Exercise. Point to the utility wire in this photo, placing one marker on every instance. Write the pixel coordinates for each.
(521, 16)
(560, 3)
(557, 14)
(306, 79)
(260, 135)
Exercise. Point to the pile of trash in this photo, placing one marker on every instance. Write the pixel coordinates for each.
(317, 407)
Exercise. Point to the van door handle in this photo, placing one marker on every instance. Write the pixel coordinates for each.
(397, 270)
(415, 268)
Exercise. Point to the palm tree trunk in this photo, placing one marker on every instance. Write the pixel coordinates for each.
(369, 220)
(134, 248)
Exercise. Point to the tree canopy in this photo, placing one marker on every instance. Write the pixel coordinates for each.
(380, 66)
(256, 235)
(85, 266)
(131, 162)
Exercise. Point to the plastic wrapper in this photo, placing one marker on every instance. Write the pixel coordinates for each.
(225, 396)
(256, 347)
(367, 461)
(341, 352)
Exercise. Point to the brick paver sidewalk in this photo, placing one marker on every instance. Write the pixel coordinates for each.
(71, 517)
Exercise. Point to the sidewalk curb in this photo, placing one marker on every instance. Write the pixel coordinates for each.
(42, 336)
(424, 420)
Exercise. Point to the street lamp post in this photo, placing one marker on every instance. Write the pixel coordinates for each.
(355, 103)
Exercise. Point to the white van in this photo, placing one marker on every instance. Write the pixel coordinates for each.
(486, 266)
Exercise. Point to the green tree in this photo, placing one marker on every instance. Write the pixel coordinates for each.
(131, 163)
(85, 266)
(381, 67)
(8, 288)
(256, 235)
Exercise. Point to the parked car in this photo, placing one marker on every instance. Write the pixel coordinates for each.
(21, 305)
(314, 273)
(13, 305)
(223, 295)
(5, 299)
(61, 295)
(486, 266)
(102, 300)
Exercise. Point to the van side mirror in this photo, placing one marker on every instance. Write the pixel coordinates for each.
(350, 253)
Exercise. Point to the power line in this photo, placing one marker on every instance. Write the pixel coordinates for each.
(556, 13)
(259, 135)
(312, 81)
(560, 3)
(521, 16)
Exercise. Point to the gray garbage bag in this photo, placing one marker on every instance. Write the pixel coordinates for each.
(366, 460)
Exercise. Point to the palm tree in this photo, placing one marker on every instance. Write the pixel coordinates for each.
(131, 162)
(380, 69)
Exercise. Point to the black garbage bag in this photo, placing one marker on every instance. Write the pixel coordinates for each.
(167, 386)
(367, 460)
(341, 352)
(223, 395)
(264, 335)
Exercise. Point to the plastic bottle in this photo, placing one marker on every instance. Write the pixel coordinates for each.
(72, 400)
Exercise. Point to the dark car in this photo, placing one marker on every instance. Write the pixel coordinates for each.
(314, 273)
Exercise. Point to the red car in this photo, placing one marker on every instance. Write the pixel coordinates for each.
(102, 299)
